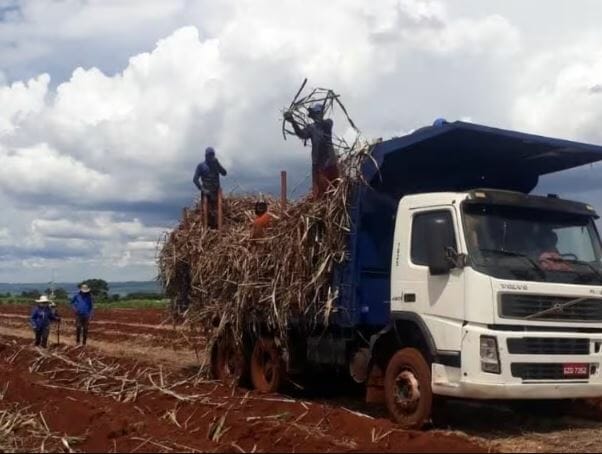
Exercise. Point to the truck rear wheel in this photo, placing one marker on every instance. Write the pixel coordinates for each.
(408, 392)
(266, 366)
(227, 360)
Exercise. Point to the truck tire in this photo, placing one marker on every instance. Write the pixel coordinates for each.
(408, 392)
(267, 368)
(227, 360)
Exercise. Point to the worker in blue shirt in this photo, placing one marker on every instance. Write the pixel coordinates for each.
(41, 317)
(208, 172)
(324, 161)
(82, 307)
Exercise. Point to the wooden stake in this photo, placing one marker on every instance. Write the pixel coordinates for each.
(205, 211)
(283, 189)
(184, 217)
(220, 213)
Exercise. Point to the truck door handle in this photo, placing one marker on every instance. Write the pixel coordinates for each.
(409, 297)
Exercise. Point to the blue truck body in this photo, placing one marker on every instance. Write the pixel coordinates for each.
(454, 156)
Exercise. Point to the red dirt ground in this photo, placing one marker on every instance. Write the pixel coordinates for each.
(148, 327)
(154, 317)
(249, 421)
(276, 424)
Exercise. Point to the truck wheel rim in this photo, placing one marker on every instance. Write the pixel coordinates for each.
(230, 365)
(228, 360)
(267, 365)
(407, 391)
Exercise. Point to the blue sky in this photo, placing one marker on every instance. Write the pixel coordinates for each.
(106, 106)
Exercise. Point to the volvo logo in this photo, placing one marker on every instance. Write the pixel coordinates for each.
(557, 308)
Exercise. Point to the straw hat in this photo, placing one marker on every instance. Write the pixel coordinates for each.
(43, 299)
(84, 288)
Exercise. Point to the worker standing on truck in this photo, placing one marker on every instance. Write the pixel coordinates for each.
(324, 165)
(262, 220)
(209, 172)
(41, 317)
(82, 308)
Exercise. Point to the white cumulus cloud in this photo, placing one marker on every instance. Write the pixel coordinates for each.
(100, 146)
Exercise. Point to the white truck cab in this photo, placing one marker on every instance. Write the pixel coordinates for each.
(509, 288)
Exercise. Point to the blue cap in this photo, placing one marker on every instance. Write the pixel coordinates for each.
(316, 109)
(209, 151)
(439, 122)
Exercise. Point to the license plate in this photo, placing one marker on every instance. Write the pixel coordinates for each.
(575, 370)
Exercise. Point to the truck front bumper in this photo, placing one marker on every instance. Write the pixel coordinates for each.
(541, 382)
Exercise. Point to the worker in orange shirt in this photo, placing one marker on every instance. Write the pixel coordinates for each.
(262, 220)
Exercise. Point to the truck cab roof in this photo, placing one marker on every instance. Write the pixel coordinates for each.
(462, 156)
(488, 196)
(535, 202)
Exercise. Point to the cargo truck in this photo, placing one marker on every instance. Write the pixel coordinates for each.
(458, 281)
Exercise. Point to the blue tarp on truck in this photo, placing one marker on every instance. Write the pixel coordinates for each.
(454, 156)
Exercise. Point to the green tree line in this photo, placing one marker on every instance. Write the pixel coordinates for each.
(99, 289)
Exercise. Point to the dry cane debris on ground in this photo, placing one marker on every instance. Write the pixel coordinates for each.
(230, 281)
(144, 408)
(24, 431)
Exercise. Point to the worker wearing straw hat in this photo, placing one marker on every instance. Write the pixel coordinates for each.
(41, 317)
(82, 307)
(324, 165)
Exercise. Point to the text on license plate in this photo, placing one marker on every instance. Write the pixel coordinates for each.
(575, 370)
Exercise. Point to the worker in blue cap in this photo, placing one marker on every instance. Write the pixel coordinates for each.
(208, 172)
(324, 162)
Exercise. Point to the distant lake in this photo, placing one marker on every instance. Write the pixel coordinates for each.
(120, 288)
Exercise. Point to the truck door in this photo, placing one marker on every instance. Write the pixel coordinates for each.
(437, 299)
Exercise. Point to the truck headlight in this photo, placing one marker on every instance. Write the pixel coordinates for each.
(490, 358)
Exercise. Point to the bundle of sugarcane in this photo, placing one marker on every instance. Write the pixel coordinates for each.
(227, 279)
(230, 279)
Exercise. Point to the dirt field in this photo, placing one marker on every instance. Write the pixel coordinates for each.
(136, 388)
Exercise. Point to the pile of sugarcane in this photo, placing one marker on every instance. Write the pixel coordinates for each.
(224, 278)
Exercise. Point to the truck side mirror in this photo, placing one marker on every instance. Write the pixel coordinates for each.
(437, 248)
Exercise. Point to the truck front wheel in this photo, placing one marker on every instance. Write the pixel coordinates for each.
(267, 368)
(408, 392)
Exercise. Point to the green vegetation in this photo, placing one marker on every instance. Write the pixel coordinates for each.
(133, 304)
(30, 294)
(124, 303)
(103, 299)
(98, 287)
(59, 293)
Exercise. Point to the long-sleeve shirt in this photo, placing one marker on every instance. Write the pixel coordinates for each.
(41, 317)
(320, 134)
(208, 173)
(82, 304)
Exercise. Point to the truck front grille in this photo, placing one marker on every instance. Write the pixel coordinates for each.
(538, 371)
(548, 346)
(521, 306)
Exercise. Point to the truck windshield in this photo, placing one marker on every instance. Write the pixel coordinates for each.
(535, 245)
